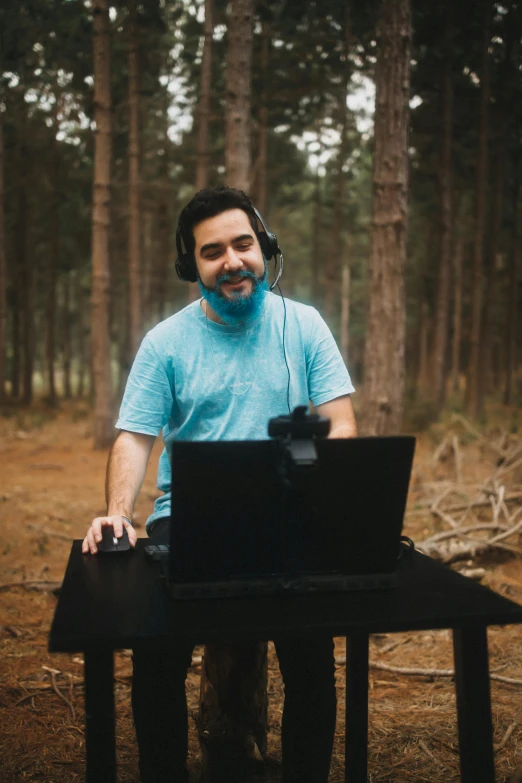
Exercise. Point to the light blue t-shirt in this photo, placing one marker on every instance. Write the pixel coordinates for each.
(199, 380)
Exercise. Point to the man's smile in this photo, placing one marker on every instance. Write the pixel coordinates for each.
(234, 283)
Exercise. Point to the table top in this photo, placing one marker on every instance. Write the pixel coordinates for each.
(110, 602)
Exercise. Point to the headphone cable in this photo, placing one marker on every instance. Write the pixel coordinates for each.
(284, 351)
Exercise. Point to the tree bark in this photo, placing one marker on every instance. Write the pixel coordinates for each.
(423, 368)
(26, 270)
(53, 264)
(80, 338)
(203, 109)
(262, 156)
(385, 337)
(135, 271)
(315, 242)
(446, 198)
(335, 254)
(505, 93)
(203, 115)
(66, 336)
(3, 271)
(345, 310)
(472, 390)
(147, 269)
(457, 312)
(238, 93)
(512, 296)
(100, 337)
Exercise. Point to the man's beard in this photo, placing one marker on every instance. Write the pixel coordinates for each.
(236, 307)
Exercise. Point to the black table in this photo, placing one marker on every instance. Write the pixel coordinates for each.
(111, 602)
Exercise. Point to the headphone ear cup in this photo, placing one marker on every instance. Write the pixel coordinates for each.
(186, 268)
(185, 263)
(264, 244)
(273, 243)
(268, 243)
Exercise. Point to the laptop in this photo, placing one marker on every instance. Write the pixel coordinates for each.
(246, 520)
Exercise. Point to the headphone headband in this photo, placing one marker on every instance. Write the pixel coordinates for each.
(186, 262)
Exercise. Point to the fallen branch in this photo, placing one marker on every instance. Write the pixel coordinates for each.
(473, 431)
(418, 672)
(465, 506)
(504, 470)
(33, 584)
(507, 736)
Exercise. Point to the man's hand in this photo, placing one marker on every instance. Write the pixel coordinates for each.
(94, 533)
(125, 473)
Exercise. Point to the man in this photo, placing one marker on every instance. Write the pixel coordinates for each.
(219, 370)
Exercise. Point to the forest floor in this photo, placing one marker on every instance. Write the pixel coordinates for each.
(51, 486)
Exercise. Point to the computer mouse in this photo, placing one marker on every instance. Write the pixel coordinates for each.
(111, 544)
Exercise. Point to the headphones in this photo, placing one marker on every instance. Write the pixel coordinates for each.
(186, 263)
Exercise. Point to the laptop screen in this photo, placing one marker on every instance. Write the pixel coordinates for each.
(242, 509)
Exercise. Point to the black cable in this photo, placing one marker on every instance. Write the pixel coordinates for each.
(284, 351)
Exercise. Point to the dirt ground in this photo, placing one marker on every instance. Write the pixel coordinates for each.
(51, 486)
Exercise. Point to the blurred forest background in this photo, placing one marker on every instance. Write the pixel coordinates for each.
(113, 114)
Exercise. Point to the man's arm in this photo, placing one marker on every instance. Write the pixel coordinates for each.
(341, 414)
(125, 473)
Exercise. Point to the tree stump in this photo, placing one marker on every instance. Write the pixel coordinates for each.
(232, 720)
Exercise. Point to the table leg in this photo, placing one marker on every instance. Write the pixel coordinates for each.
(100, 737)
(356, 736)
(470, 648)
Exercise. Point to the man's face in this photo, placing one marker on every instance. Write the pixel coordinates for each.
(230, 264)
(226, 245)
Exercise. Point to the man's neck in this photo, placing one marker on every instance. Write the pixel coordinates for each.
(210, 313)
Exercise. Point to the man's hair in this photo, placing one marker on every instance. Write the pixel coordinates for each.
(209, 203)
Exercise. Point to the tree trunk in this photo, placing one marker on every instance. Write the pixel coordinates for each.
(53, 265)
(423, 368)
(472, 390)
(345, 310)
(160, 285)
(203, 109)
(203, 115)
(3, 271)
(385, 336)
(443, 283)
(15, 337)
(505, 91)
(80, 335)
(457, 312)
(135, 281)
(103, 430)
(66, 336)
(147, 269)
(262, 157)
(26, 269)
(315, 242)
(238, 92)
(332, 260)
(512, 297)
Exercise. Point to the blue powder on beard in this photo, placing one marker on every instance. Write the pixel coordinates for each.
(237, 307)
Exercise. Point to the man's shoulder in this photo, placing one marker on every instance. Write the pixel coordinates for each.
(174, 326)
(298, 314)
(299, 309)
